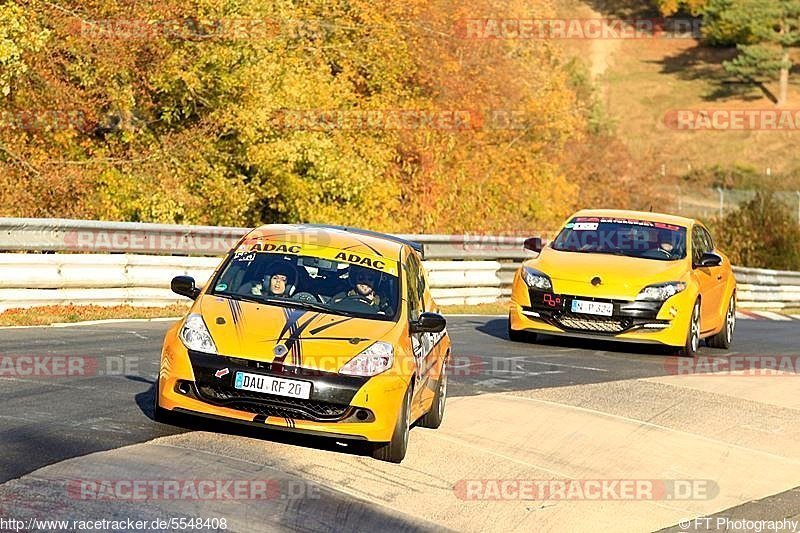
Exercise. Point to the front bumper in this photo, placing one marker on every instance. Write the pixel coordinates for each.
(339, 406)
(631, 321)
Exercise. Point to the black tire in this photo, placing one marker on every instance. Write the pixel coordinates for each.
(724, 338)
(160, 414)
(433, 418)
(394, 451)
(520, 336)
(693, 334)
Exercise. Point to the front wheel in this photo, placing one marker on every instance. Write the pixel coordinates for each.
(693, 335)
(394, 451)
(725, 336)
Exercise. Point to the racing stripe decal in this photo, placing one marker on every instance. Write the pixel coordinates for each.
(293, 343)
(326, 326)
(291, 316)
(238, 318)
(376, 252)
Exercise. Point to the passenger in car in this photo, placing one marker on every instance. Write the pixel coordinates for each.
(280, 281)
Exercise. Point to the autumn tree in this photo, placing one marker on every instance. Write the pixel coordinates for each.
(670, 7)
(213, 112)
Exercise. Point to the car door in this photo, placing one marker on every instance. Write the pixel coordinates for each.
(719, 280)
(421, 343)
(435, 359)
(706, 281)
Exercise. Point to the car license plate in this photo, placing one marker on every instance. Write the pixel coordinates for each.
(592, 308)
(271, 385)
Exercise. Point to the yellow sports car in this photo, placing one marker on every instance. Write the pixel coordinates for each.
(627, 276)
(319, 329)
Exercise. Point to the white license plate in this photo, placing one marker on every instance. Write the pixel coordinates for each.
(592, 308)
(270, 385)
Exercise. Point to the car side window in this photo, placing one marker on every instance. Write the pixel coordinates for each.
(708, 239)
(415, 287)
(420, 277)
(698, 244)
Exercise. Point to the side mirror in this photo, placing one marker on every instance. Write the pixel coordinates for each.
(184, 285)
(534, 244)
(709, 259)
(429, 323)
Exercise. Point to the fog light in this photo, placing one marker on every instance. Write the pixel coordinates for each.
(362, 415)
(654, 325)
(182, 387)
(531, 313)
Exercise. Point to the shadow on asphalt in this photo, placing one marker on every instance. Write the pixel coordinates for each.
(196, 423)
(497, 328)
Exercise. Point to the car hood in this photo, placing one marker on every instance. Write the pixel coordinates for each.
(296, 337)
(620, 276)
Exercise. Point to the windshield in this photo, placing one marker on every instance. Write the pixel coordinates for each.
(351, 284)
(632, 238)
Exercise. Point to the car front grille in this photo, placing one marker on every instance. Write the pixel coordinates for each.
(592, 323)
(269, 405)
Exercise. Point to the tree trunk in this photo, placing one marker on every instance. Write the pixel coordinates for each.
(783, 94)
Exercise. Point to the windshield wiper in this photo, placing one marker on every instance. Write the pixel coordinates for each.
(576, 251)
(300, 304)
(291, 304)
(237, 296)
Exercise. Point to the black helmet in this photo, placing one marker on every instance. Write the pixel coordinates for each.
(285, 269)
(367, 276)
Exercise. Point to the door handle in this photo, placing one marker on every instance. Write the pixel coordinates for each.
(719, 277)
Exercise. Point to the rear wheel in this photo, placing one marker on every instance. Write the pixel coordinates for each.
(520, 336)
(693, 335)
(394, 451)
(433, 418)
(725, 336)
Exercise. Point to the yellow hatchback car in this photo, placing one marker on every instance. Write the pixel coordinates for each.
(627, 276)
(325, 330)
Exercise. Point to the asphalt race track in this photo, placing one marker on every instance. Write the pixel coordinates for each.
(559, 409)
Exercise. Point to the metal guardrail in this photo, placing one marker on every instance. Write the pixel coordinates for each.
(65, 235)
(28, 280)
(463, 268)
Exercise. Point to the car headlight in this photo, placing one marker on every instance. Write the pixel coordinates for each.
(378, 358)
(536, 280)
(661, 291)
(195, 335)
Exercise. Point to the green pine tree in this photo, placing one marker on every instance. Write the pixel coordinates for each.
(763, 31)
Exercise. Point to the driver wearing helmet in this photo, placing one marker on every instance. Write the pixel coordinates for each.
(364, 282)
(280, 280)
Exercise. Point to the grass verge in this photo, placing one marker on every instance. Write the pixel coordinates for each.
(51, 314)
(496, 308)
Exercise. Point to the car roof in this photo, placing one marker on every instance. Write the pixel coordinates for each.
(339, 237)
(639, 215)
